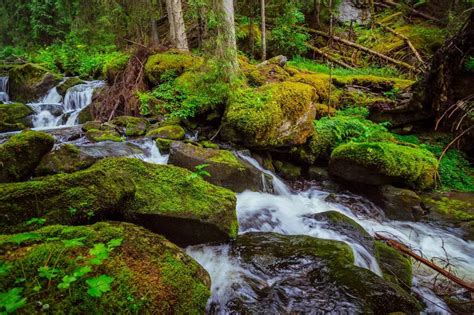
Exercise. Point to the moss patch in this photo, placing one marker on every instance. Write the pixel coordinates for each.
(134, 126)
(149, 274)
(14, 117)
(171, 61)
(97, 135)
(66, 159)
(173, 132)
(396, 268)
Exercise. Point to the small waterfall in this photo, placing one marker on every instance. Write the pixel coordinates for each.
(151, 153)
(4, 98)
(54, 111)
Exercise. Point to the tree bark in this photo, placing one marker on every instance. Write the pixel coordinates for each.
(177, 28)
(228, 32)
(264, 33)
(155, 37)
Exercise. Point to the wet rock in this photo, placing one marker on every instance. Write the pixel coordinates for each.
(96, 135)
(354, 11)
(171, 132)
(224, 167)
(395, 267)
(379, 163)
(66, 158)
(162, 198)
(318, 173)
(133, 126)
(20, 154)
(143, 268)
(288, 170)
(28, 82)
(15, 116)
(300, 274)
(89, 125)
(69, 83)
(398, 203)
(54, 109)
(85, 115)
(274, 115)
(452, 208)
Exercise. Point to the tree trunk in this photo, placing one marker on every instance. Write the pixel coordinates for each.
(316, 13)
(177, 28)
(228, 32)
(155, 37)
(264, 35)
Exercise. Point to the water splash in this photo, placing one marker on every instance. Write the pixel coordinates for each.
(4, 98)
(151, 152)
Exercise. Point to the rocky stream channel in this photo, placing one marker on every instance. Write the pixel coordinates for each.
(271, 267)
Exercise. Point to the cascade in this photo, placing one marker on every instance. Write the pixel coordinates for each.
(4, 90)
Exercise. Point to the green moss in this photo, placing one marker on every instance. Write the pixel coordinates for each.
(114, 65)
(414, 165)
(20, 155)
(172, 61)
(396, 268)
(267, 73)
(451, 209)
(288, 170)
(14, 117)
(209, 144)
(96, 135)
(163, 144)
(149, 273)
(69, 83)
(66, 159)
(319, 81)
(173, 132)
(227, 158)
(256, 116)
(134, 126)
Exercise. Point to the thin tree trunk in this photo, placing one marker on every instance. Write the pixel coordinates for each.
(317, 12)
(155, 37)
(229, 34)
(169, 11)
(264, 35)
(179, 27)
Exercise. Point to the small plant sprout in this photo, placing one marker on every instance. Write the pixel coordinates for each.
(36, 221)
(199, 172)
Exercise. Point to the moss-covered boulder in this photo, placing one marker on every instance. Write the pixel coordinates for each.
(224, 168)
(15, 116)
(288, 170)
(170, 132)
(67, 158)
(132, 126)
(171, 62)
(274, 115)
(20, 155)
(266, 73)
(323, 277)
(377, 163)
(67, 84)
(28, 82)
(320, 82)
(163, 198)
(85, 115)
(97, 135)
(395, 267)
(102, 268)
(397, 203)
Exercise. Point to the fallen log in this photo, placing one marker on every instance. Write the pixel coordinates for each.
(328, 57)
(365, 49)
(402, 248)
(415, 12)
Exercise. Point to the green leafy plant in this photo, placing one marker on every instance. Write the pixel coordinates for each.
(4, 268)
(470, 64)
(72, 211)
(23, 237)
(37, 221)
(48, 272)
(99, 285)
(66, 282)
(392, 94)
(199, 172)
(12, 300)
(75, 242)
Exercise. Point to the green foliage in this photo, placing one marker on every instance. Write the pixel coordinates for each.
(66, 282)
(392, 94)
(310, 65)
(11, 301)
(99, 285)
(286, 37)
(36, 221)
(4, 268)
(199, 172)
(469, 64)
(48, 272)
(75, 242)
(23, 237)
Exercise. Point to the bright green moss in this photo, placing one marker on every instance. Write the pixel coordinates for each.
(20, 155)
(14, 117)
(256, 116)
(149, 273)
(172, 61)
(451, 209)
(396, 268)
(114, 65)
(228, 158)
(134, 126)
(414, 165)
(103, 135)
(173, 132)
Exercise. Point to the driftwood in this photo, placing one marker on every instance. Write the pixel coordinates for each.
(407, 41)
(415, 12)
(365, 49)
(402, 248)
(329, 57)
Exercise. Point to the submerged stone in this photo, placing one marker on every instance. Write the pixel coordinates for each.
(20, 155)
(102, 268)
(224, 168)
(163, 198)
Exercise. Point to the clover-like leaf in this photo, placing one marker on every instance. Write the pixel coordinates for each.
(80, 271)
(99, 285)
(67, 281)
(11, 301)
(75, 242)
(48, 273)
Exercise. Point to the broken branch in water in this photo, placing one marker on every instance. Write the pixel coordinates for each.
(402, 248)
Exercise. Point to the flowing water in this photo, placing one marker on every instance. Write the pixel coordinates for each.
(289, 212)
(4, 98)
(53, 110)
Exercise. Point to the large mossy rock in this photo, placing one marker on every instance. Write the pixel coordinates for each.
(274, 115)
(170, 132)
(323, 277)
(100, 269)
(20, 155)
(67, 158)
(395, 267)
(377, 163)
(171, 62)
(69, 83)
(163, 198)
(28, 82)
(224, 167)
(132, 126)
(15, 116)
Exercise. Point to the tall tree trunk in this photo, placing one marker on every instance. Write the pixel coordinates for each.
(264, 35)
(317, 12)
(228, 32)
(177, 28)
(155, 37)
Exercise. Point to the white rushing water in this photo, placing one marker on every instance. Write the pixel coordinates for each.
(287, 212)
(53, 110)
(4, 98)
(151, 152)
